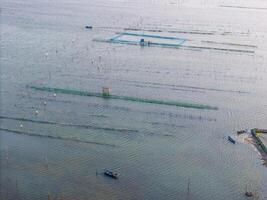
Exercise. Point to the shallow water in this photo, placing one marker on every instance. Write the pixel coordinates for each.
(155, 148)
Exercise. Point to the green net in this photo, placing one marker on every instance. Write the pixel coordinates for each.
(125, 98)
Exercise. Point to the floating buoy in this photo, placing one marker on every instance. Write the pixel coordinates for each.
(45, 103)
(36, 112)
(54, 94)
(21, 125)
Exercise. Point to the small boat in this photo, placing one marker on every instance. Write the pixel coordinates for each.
(142, 42)
(249, 194)
(231, 139)
(110, 174)
(241, 132)
(88, 27)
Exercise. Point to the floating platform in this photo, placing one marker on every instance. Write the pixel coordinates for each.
(145, 40)
(125, 98)
(171, 42)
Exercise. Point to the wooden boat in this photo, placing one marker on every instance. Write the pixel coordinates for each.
(249, 194)
(110, 174)
(260, 130)
(231, 139)
(241, 132)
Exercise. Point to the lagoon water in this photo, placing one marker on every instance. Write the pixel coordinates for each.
(156, 149)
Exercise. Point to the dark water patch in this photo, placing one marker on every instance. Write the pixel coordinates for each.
(54, 137)
(125, 98)
(71, 125)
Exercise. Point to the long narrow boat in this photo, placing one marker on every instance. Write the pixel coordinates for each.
(110, 174)
(231, 139)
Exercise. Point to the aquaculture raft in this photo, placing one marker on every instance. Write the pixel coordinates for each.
(125, 98)
(145, 40)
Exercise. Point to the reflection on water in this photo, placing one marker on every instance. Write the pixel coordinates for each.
(52, 145)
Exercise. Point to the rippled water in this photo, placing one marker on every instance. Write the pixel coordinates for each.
(155, 149)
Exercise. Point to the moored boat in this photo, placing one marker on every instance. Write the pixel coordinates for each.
(241, 132)
(231, 139)
(249, 194)
(110, 174)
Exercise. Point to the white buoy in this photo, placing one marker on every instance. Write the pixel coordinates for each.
(36, 112)
(45, 103)
(21, 125)
(54, 94)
